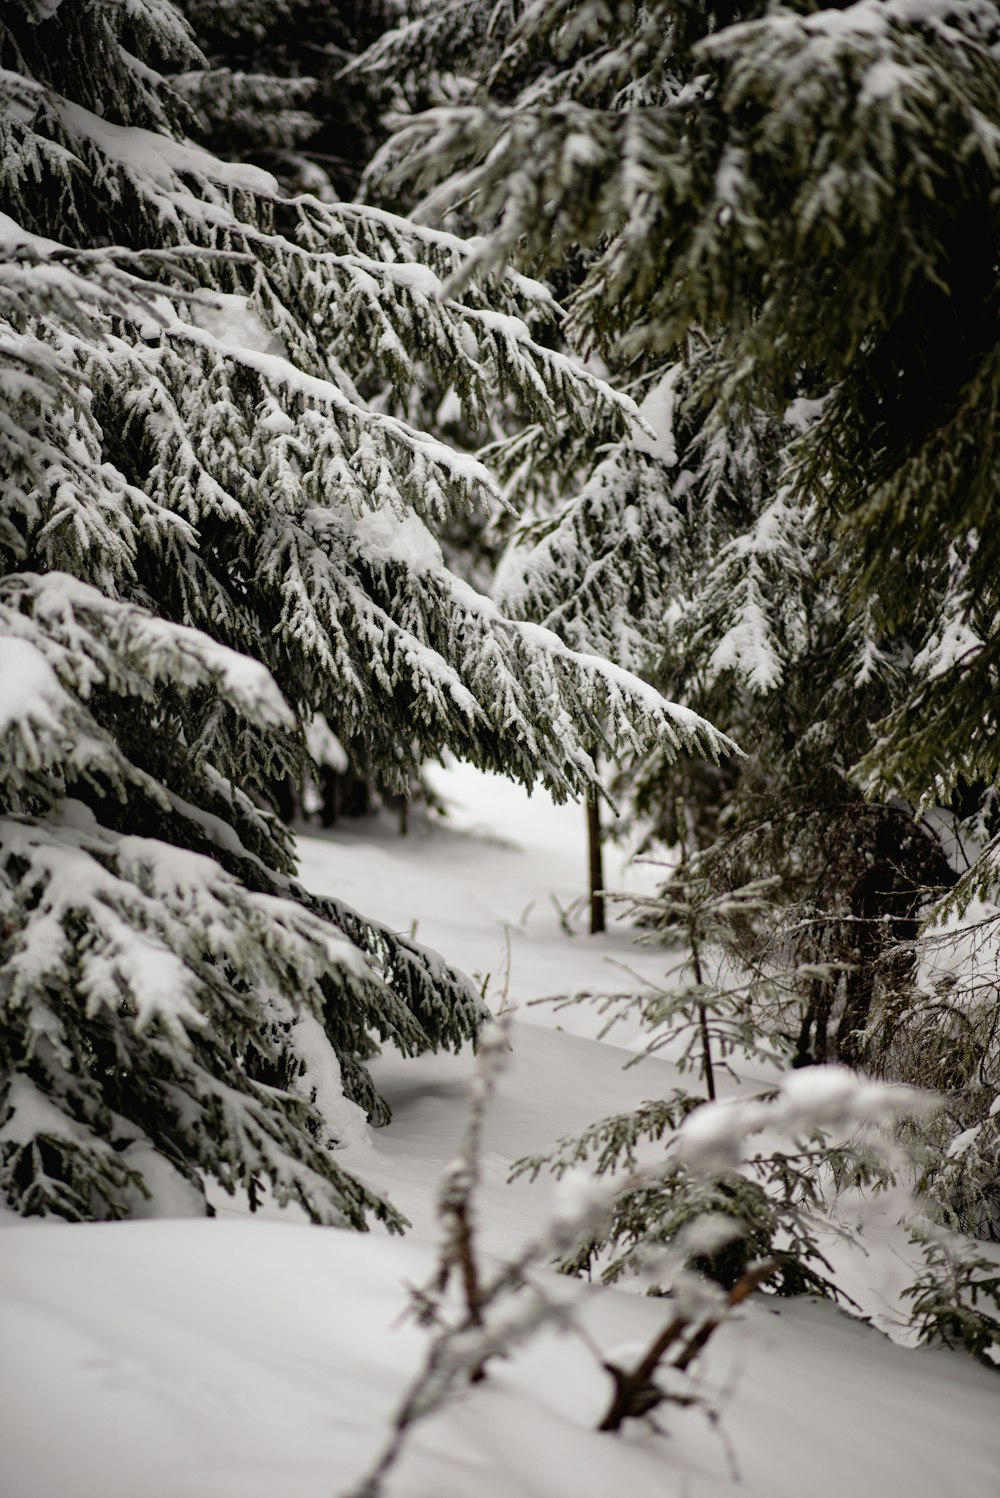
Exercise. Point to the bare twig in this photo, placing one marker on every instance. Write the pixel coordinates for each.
(636, 1393)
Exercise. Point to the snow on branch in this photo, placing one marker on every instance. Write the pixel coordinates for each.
(215, 522)
(130, 945)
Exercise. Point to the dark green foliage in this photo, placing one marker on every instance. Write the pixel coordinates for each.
(275, 91)
(951, 1299)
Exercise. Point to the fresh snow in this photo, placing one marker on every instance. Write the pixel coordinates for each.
(29, 689)
(247, 1358)
(161, 161)
(657, 412)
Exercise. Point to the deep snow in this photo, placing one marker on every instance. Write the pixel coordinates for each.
(253, 1357)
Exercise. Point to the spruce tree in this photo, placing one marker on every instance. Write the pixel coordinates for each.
(777, 228)
(811, 189)
(215, 522)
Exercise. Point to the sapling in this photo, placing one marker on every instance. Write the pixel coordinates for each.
(707, 1009)
(711, 1008)
(708, 1164)
(500, 1308)
(956, 1295)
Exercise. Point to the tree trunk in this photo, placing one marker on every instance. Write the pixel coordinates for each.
(595, 851)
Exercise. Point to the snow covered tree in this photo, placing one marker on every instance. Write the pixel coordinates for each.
(778, 225)
(214, 524)
(814, 187)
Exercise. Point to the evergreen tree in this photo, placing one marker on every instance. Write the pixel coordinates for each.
(815, 188)
(787, 243)
(214, 524)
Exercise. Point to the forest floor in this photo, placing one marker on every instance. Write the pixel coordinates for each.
(264, 1358)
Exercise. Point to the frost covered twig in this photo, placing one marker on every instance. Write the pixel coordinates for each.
(461, 1178)
(500, 1310)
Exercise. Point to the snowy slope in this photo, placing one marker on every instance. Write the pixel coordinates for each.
(499, 870)
(249, 1360)
(196, 1359)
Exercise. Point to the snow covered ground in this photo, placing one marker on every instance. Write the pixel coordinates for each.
(264, 1358)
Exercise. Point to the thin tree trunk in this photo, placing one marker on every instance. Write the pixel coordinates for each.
(708, 1069)
(595, 851)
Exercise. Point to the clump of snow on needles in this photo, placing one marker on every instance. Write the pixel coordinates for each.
(816, 1097)
(657, 413)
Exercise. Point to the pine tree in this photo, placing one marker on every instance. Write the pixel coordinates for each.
(214, 524)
